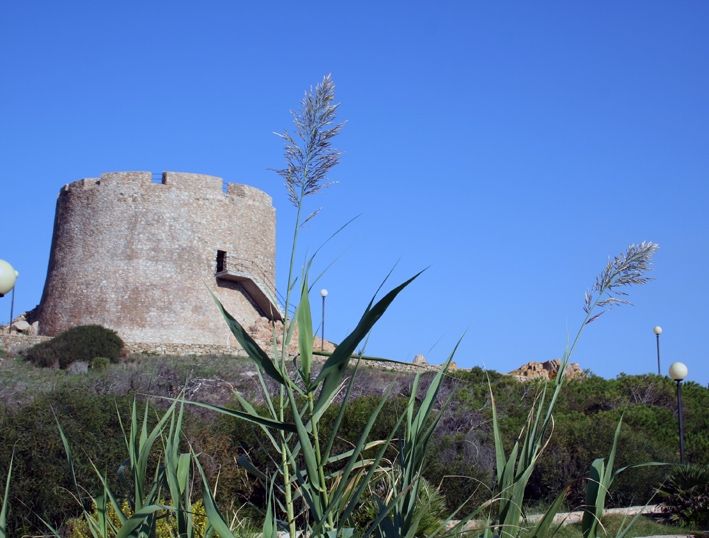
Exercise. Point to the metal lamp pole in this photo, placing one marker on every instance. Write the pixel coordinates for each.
(12, 305)
(658, 331)
(678, 372)
(323, 294)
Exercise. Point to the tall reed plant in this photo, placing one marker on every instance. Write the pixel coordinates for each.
(315, 486)
(312, 492)
(514, 468)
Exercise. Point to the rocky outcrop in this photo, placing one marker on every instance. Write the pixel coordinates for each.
(546, 370)
(420, 360)
(323, 346)
(264, 331)
(22, 325)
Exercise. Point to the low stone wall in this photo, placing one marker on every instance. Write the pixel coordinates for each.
(408, 368)
(181, 349)
(17, 343)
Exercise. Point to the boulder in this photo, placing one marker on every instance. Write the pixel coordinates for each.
(420, 360)
(78, 367)
(326, 346)
(546, 370)
(21, 326)
(263, 331)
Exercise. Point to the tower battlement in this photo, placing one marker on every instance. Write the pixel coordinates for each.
(200, 184)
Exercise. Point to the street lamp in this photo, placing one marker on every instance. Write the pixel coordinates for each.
(323, 294)
(678, 372)
(8, 277)
(658, 331)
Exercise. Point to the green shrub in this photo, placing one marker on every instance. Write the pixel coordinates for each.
(685, 496)
(219, 446)
(41, 479)
(99, 363)
(165, 527)
(82, 343)
(461, 466)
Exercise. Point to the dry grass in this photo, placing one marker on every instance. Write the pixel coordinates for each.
(208, 378)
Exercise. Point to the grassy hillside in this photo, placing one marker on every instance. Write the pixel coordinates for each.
(461, 457)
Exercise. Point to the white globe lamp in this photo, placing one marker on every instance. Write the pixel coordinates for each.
(8, 277)
(658, 331)
(678, 371)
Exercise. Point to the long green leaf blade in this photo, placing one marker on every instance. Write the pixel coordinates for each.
(332, 372)
(305, 332)
(216, 521)
(500, 457)
(256, 419)
(541, 529)
(252, 349)
(6, 499)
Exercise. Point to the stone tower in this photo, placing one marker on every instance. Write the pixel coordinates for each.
(138, 256)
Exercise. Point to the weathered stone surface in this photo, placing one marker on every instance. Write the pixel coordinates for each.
(78, 367)
(546, 370)
(138, 256)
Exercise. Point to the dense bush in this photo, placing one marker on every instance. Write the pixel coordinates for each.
(83, 343)
(585, 417)
(41, 482)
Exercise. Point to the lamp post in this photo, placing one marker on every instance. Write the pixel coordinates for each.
(323, 294)
(8, 277)
(658, 331)
(678, 372)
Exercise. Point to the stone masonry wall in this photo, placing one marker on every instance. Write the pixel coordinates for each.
(139, 256)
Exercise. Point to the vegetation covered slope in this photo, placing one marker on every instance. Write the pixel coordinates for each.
(461, 460)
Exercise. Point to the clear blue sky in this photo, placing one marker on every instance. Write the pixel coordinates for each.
(510, 146)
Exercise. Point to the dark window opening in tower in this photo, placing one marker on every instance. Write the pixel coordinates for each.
(221, 261)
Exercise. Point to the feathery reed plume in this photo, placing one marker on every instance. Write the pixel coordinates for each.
(625, 269)
(310, 156)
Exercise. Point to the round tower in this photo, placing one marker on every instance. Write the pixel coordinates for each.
(138, 256)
